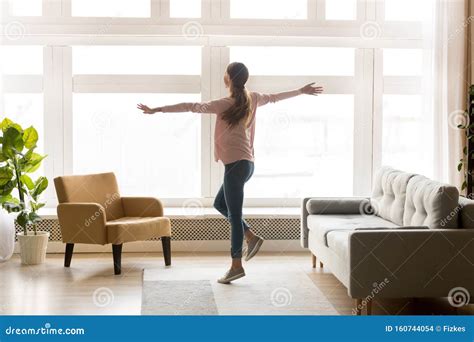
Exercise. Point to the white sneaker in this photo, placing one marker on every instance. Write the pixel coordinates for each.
(231, 275)
(253, 246)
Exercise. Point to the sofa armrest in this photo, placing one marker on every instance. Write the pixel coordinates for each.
(410, 262)
(328, 206)
(82, 223)
(142, 207)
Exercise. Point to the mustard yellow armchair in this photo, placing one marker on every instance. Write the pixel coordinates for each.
(92, 211)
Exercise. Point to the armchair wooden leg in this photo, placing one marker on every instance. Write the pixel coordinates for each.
(313, 259)
(68, 254)
(117, 253)
(321, 264)
(166, 243)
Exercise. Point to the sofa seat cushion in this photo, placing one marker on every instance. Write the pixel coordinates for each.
(338, 242)
(324, 224)
(127, 229)
(431, 203)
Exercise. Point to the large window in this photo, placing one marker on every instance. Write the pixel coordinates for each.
(150, 154)
(268, 9)
(75, 69)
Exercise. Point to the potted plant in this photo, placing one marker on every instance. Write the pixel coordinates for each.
(19, 194)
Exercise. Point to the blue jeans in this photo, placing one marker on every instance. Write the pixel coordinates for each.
(230, 200)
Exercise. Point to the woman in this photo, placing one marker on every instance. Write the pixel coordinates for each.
(233, 139)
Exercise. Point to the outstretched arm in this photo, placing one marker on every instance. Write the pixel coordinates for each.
(309, 89)
(216, 106)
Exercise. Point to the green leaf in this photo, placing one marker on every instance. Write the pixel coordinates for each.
(6, 175)
(12, 142)
(12, 207)
(27, 181)
(30, 137)
(459, 166)
(33, 163)
(3, 157)
(464, 185)
(23, 219)
(5, 124)
(40, 185)
(6, 198)
(7, 188)
(34, 217)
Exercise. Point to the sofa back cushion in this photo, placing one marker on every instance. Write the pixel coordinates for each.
(388, 194)
(466, 213)
(431, 203)
(98, 188)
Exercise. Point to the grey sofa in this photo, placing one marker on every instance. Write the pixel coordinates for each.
(414, 237)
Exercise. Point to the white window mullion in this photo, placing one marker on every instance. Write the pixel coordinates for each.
(155, 9)
(378, 109)
(219, 61)
(320, 10)
(57, 102)
(206, 144)
(363, 122)
(225, 9)
(165, 9)
(312, 11)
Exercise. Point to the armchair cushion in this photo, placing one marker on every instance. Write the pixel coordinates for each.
(142, 207)
(127, 229)
(82, 223)
(99, 188)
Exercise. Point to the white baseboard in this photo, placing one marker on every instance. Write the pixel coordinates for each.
(176, 246)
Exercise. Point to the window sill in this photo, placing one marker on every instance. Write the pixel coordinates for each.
(206, 213)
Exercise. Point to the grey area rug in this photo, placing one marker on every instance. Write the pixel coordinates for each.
(266, 290)
(178, 297)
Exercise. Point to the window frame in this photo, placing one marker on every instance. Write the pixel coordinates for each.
(58, 31)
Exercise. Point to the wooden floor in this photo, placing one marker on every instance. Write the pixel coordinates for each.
(89, 286)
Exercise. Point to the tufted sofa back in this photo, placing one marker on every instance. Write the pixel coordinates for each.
(431, 203)
(389, 194)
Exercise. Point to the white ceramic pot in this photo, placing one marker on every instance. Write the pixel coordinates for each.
(33, 247)
(7, 235)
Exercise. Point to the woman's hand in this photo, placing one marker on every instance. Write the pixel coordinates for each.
(146, 109)
(310, 89)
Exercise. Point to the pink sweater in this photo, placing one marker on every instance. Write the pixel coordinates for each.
(236, 143)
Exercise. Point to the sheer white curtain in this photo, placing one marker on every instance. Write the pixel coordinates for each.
(451, 77)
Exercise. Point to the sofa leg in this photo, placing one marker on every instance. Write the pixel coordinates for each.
(68, 254)
(321, 264)
(166, 243)
(313, 259)
(358, 306)
(369, 307)
(117, 253)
